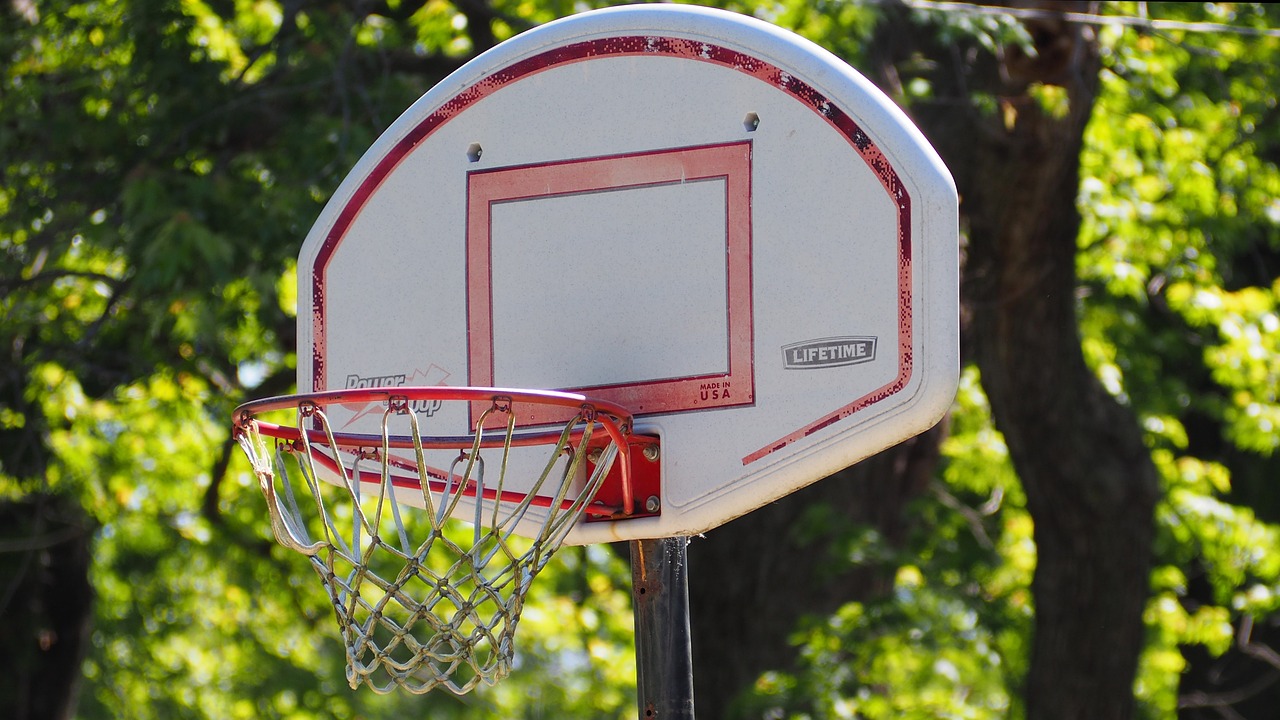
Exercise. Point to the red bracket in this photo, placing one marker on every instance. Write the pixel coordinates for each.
(645, 452)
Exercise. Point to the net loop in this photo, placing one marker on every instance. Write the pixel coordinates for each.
(428, 597)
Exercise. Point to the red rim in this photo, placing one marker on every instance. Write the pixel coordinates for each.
(612, 418)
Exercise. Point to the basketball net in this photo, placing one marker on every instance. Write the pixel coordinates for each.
(428, 598)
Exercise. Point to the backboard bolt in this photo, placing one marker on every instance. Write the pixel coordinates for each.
(651, 453)
(594, 454)
(751, 122)
(474, 151)
(652, 504)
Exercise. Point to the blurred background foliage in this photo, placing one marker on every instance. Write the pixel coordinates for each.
(161, 161)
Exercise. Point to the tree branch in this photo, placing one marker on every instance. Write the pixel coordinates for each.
(11, 284)
(1201, 699)
(1262, 653)
(972, 517)
(275, 384)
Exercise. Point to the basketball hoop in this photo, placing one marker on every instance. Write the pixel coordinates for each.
(431, 599)
(690, 261)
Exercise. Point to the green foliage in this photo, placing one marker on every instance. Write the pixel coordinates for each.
(925, 654)
(1243, 359)
(1178, 256)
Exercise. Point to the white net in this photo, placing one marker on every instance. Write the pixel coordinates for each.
(426, 596)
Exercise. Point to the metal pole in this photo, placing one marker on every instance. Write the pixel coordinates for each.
(664, 653)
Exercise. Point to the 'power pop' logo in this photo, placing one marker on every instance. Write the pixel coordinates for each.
(431, 377)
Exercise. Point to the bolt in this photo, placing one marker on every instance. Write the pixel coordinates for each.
(594, 454)
(651, 453)
(653, 504)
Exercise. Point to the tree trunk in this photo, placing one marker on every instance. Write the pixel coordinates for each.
(46, 603)
(1091, 487)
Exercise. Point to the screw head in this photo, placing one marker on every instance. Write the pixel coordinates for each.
(651, 453)
(652, 504)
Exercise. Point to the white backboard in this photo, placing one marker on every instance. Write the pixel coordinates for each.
(693, 213)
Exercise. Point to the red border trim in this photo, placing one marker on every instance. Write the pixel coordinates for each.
(730, 163)
(640, 45)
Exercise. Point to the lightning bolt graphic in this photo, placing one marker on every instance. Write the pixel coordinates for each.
(431, 377)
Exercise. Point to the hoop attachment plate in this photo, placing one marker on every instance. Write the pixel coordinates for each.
(643, 460)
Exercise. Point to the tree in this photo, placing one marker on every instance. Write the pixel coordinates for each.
(1090, 484)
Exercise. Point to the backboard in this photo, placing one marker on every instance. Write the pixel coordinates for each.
(691, 213)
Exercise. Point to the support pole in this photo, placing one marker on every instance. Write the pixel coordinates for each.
(664, 653)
